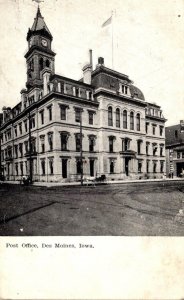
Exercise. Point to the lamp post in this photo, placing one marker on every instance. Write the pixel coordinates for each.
(81, 162)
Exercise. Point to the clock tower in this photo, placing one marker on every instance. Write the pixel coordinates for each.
(39, 54)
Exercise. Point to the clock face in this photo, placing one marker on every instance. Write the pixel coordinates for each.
(44, 43)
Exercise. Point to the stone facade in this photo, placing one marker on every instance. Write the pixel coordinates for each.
(122, 135)
(175, 150)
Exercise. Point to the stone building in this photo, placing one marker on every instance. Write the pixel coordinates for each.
(100, 124)
(175, 150)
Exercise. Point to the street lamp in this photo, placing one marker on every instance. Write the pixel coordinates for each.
(81, 162)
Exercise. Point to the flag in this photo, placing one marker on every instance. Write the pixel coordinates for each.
(107, 22)
(38, 1)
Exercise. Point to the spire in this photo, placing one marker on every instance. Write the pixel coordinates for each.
(39, 26)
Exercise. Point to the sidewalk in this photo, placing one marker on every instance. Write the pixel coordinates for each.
(126, 181)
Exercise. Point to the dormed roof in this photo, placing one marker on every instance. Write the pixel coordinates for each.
(135, 92)
(39, 26)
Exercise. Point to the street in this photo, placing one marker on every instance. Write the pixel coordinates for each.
(132, 209)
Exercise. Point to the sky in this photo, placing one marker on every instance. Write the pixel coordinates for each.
(148, 44)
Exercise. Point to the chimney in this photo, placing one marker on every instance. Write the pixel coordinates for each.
(87, 69)
(91, 58)
(46, 80)
(101, 61)
(23, 98)
(4, 109)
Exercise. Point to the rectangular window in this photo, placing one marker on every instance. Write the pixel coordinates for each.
(16, 151)
(42, 117)
(91, 145)
(25, 125)
(161, 151)
(139, 147)
(32, 122)
(147, 148)
(182, 154)
(147, 124)
(51, 166)
(77, 115)
(78, 167)
(20, 128)
(154, 129)
(20, 150)
(147, 166)
(42, 147)
(64, 139)
(63, 112)
(154, 167)
(161, 130)
(43, 166)
(50, 112)
(21, 168)
(50, 141)
(111, 167)
(17, 169)
(15, 130)
(161, 167)
(77, 140)
(90, 114)
(178, 154)
(111, 140)
(139, 166)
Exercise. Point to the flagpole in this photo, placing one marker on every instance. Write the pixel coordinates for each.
(112, 41)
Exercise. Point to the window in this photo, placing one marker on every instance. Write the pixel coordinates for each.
(77, 92)
(147, 125)
(17, 169)
(139, 142)
(26, 147)
(78, 143)
(154, 129)
(15, 130)
(78, 167)
(51, 166)
(16, 151)
(47, 63)
(131, 120)
(138, 118)
(41, 63)
(154, 149)
(21, 150)
(64, 139)
(21, 168)
(63, 112)
(125, 144)
(117, 117)
(50, 112)
(111, 143)
(161, 167)
(42, 117)
(147, 166)
(78, 114)
(110, 118)
(90, 115)
(147, 148)
(33, 145)
(178, 154)
(125, 119)
(50, 140)
(32, 122)
(139, 166)
(91, 142)
(161, 130)
(182, 154)
(154, 167)
(161, 150)
(111, 167)
(25, 125)
(42, 139)
(124, 89)
(43, 166)
(20, 128)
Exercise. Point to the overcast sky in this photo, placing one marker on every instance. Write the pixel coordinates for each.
(148, 44)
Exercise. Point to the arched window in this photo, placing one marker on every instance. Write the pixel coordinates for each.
(125, 119)
(110, 119)
(138, 121)
(41, 63)
(131, 120)
(47, 63)
(117, 117)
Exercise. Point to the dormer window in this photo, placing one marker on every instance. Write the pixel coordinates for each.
(124, 89)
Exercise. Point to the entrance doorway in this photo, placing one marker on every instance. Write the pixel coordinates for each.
(91, 165)
(127, 159)
(179, 169)
(64, 168)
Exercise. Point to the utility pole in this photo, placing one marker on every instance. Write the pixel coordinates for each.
(30, 151)
(81, 162)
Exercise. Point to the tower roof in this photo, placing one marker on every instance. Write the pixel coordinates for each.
(39, 26)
